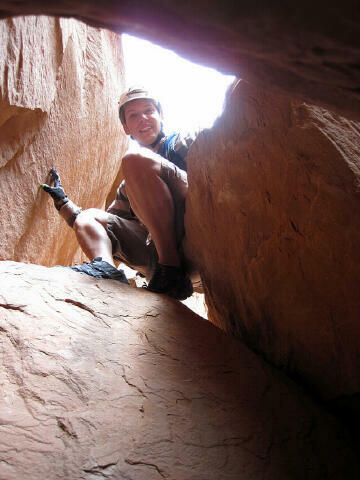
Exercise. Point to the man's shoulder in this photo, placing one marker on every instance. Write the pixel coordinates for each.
(178, 143)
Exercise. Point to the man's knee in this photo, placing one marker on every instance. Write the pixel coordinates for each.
(86, 218)
(137, 166)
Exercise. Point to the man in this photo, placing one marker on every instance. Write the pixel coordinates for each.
(144, 225)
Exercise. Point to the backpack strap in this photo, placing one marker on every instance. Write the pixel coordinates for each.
(167, 144)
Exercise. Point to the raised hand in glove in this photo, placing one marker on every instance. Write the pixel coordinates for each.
(56, 192)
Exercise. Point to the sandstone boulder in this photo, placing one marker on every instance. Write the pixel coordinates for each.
(99, 379)
(60, 83)
(274, 196)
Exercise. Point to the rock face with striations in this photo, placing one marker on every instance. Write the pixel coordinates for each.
(274, 196)
(99, 379)
(60, 83)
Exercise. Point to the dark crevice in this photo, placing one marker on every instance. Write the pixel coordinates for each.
(9, 306)
(80, 305)
(99, 469)
(66, 429)
(295, 228)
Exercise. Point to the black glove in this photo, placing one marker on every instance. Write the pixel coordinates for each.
(56, 192)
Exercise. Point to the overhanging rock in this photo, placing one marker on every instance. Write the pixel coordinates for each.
(101, 380)
(306, 49)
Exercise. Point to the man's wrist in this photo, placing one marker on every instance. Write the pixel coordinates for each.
(60, 202)
(69, 211)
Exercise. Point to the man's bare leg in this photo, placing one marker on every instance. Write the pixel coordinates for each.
(152, 202)
(89, 228)
(89, 225)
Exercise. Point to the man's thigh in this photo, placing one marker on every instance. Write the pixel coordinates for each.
(140, 160)
(91, 214)
(129, 243)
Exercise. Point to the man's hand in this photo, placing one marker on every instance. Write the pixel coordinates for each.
(56, 192)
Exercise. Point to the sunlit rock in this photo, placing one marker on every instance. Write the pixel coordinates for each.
(60, 83)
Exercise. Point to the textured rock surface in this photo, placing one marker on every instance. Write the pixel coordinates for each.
(274, 196)
(60, 81)
(102, 380)
(309, 49)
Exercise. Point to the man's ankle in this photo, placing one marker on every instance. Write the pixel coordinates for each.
(172, 281)
(104, 258)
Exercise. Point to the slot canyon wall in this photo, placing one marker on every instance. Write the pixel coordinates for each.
(60, 84)
(274, 195)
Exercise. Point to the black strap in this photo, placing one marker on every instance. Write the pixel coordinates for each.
(158, 138)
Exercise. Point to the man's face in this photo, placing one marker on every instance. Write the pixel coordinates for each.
(143, 121)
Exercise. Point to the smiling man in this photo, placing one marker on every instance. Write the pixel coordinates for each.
(144, 226)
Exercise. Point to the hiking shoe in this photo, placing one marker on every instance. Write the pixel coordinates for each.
(100, 269)
(171, 281)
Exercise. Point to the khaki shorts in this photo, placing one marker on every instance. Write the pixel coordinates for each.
(129, 237)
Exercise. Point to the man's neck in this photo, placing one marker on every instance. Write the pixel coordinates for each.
(155, 145)
(153, 148)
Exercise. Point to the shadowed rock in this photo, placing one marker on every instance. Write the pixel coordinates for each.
(61, 81)
(274, 196)
(308, 49)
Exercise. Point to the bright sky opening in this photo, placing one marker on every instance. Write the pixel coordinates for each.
(191, 95)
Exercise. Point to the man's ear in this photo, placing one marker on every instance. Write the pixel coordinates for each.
(126, 130)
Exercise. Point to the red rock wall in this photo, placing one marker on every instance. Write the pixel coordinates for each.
(60, 82)
(101, 380)
(272, 220)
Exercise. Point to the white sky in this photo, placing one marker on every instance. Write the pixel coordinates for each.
(191, 95)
